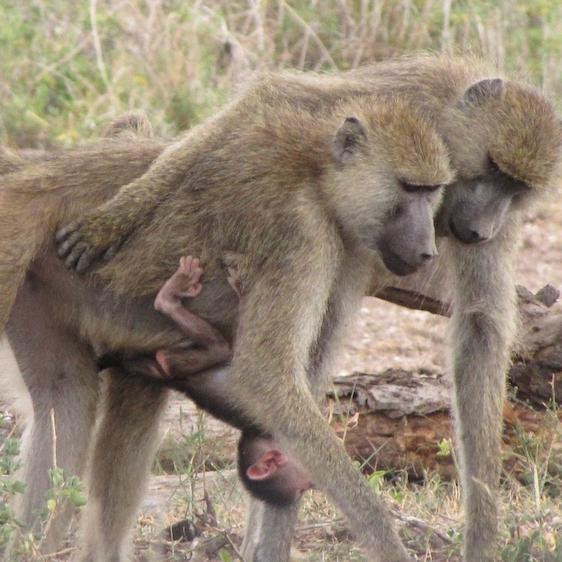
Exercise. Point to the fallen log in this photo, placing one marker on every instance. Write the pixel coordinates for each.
(401, 420)
(536, 372)
(398, 420)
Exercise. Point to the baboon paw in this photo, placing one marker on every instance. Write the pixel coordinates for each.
(77, 253)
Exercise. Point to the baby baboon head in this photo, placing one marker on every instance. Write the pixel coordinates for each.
(506, 144)
(268, 473)
(386, 185)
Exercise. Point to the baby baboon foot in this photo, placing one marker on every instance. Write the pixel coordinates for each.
(231, 262)
(163, 363)
(185, 282)
(234, 279)
(80, 247)
(187, 279)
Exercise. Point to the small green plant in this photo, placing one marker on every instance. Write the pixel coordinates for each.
(445, 448)
(9, 485)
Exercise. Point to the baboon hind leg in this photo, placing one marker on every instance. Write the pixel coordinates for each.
(123, 452)
(61, 376)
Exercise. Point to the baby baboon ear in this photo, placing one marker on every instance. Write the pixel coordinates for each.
(348, 139)
(482, 91)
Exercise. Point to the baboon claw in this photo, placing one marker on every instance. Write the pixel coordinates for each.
(85, 260)
(64, 232)
(111, 252)
(70, 244)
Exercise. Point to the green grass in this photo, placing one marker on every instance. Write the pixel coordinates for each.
(66, 66)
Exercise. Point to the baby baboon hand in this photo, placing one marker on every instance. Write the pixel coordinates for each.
(82, 242)
(185, 282)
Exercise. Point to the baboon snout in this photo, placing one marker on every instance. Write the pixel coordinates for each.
(472, 231)
(479, 219)
(408, 240)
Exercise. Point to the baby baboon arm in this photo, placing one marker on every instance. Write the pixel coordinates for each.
(214, 349)
(186, 282)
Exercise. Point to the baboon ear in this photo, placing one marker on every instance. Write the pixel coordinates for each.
(482, 91)
(348, 139)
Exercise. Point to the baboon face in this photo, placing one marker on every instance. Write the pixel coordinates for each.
(407, 240)
(394, 166)
(477, 209)
(509, 142)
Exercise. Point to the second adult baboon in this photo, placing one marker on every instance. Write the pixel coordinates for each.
(304, 199)
(505, 142)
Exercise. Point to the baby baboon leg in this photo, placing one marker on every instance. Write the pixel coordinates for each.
(483, 326)
(64, 390)
(269, 530)
(124, 448)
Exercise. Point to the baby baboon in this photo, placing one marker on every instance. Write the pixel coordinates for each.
(304, 198)
(505, 142)
(267, 472)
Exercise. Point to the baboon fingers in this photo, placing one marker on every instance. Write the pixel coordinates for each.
(73, 254)
(66, 231)
(85, 260)
(111, 252)
(77, 253)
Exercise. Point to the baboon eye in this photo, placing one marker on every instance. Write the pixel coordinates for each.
(413, 188)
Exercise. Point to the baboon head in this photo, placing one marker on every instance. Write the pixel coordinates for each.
(507, 148)
(391, 165)
(268, 473)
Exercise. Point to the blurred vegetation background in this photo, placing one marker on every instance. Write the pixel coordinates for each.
(66, 67)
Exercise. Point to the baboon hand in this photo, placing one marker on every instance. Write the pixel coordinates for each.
(80, 243)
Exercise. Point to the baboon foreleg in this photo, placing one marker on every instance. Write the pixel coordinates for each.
(269, 529)
(61, 376)
(124, 450)
(483, 325)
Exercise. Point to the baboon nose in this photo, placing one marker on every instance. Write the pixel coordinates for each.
(476, 236)
(425, 257)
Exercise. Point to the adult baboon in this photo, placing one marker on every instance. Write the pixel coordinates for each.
(327, 189)
(505, 142)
